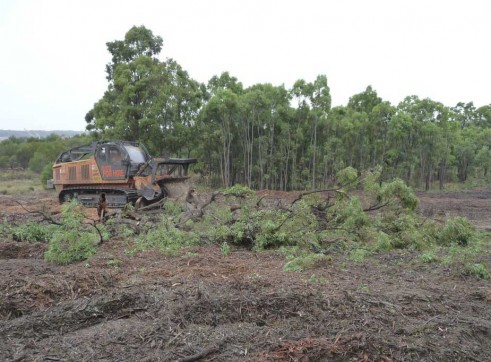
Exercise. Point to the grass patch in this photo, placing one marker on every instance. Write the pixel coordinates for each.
(300, 259)
(478, 270)
(19, 182)
(429, 257)
(358, 255)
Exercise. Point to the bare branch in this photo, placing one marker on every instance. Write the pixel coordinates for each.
(46, 216)
(338, 191)
(376, 207)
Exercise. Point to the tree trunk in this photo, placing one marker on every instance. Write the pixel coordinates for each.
(442, 174)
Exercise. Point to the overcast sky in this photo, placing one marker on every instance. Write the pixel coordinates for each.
(53, 52)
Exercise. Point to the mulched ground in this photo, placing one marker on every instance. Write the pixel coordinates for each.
(202, 305)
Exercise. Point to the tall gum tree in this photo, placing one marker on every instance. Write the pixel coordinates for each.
(219, 123)
(320, 99)
(147, 99)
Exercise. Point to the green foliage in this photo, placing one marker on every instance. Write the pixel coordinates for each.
(173, 208)
(300, 260)
(46, 173)
(349, 215)
(167, 238)
(270, 137)
(32, 153)
(116, 263)
(5, 228)
(72, 241)
(383, 242)
(393, 193)
(398, 190)
(266, 137)
(216, 226)
(38, 162)
(380, 219)
(478, 270)
(429, 257)
(261, 228)
(358, 255)
(466, 259)
(225, 249)
(122, 229)
(147, 99)
(347, 176)
(68, 246)
(33, 231)
(238, 191)
(457, 230)
(275, 228)
(405, 230)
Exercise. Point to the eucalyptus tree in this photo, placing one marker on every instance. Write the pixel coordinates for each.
(138, 41)
(483, 155)
(430, 120)
(403, 135)
(252, 104)
(146, 99)
(266, 113)
(300, 93)
(336, 145)
(221, 113)
(320, 99)
(313, 105)
(219, 124)
(371, 126)
(464, 113)
(380, 116)
(465, 149)
(483, 116)
(282, 153)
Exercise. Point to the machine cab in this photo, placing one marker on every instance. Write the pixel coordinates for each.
(120, 160)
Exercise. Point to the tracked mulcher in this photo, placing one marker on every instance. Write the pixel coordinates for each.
(124, 171)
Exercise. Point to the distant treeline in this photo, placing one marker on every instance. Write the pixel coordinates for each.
(5, 133)
(267, 136)
(37, 154)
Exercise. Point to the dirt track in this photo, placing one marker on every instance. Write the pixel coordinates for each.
(242, 307)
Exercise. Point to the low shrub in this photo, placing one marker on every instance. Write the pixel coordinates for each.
(66, 247)
(428, 257)
(457, 230)
(33, 232)
(358, 255)
(238, 191)
(477, 269)
(305, 261)
(73, 240)
(167, 238)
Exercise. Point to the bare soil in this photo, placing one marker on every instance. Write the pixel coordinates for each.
(202, 305)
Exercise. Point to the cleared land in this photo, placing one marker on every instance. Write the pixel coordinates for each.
(202, 305)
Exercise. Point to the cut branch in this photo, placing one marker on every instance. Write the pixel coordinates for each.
(338, 191)
(376, 207)
(46, 216)
(205, 352)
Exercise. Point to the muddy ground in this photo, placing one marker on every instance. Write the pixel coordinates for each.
(204, 306)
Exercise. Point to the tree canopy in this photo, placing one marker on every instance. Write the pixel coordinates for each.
(267, 136)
